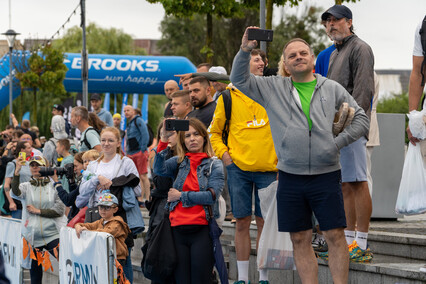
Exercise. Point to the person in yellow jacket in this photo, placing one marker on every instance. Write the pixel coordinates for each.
(250, 160)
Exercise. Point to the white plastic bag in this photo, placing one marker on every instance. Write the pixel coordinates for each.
(222, 211)
(417, 124)
(275, 248)
(412, 189)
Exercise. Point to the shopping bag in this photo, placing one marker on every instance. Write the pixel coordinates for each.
(275, 248)
(412, 189)
(417, 123)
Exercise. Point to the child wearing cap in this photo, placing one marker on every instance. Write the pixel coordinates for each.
(114, 225)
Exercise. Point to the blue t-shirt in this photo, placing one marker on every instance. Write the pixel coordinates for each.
(323, 59)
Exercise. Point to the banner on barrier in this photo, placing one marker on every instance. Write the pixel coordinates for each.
(85, 259)
(11, 247)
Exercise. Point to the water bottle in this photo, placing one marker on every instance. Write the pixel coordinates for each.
(87, 174)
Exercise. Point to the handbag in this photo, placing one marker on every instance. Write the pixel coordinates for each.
(159, 254)
(79, 218)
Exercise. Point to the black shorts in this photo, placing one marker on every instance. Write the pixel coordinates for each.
(300, 195)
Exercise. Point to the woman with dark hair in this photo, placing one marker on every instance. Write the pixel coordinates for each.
(96, 122)
(198, 183)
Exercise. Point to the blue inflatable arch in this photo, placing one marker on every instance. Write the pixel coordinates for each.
(107, 73)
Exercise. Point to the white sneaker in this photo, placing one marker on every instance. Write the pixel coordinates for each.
(423, 268)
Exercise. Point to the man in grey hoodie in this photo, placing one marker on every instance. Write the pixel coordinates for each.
(301, 111)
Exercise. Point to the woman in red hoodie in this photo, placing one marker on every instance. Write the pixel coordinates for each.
(199, 182)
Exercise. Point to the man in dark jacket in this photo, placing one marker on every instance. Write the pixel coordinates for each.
(352, 65)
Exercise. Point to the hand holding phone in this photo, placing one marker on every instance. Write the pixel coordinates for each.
(177, 125)
(260, 34)
(23, 157)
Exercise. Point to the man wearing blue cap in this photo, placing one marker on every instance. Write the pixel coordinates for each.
(352, 65)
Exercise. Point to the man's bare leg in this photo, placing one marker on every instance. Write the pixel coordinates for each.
(306, 262)
(338, 255)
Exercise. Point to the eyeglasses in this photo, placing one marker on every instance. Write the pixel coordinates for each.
(34, 165)
(105, 208)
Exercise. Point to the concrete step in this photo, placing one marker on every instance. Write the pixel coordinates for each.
(382, 269)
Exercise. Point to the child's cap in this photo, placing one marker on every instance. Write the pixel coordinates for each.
(107, 199)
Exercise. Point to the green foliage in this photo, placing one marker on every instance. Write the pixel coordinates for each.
(208, 8)
(226, 39)
(395, 104)
(156, 102)
(187, 8)
(98, 41)
(306, 27)
(46, 73)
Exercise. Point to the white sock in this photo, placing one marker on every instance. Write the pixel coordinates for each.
(361, 240)
(263, 274)
(350, 236)
(243, 268)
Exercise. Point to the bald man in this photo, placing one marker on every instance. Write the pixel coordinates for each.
(170, 87)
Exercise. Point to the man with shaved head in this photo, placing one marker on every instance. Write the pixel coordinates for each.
(136, 147)
(181, 104)
(301, 111)
(170, 87)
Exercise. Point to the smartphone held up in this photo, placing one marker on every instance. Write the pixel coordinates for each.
(260, 34)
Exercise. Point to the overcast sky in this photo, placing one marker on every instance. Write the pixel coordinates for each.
(387, 25)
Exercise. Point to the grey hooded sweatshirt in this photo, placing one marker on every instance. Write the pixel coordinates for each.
(300, 150)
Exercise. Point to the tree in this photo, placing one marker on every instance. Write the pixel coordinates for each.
(99, 41)
(226, 40)
(46, 73)
(306, 27)
(270, 8)
(209, 8)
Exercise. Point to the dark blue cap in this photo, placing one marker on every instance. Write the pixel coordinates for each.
(338, 11)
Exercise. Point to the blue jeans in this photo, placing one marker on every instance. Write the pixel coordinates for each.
(241, 185)
(16, 214)
(128, 268)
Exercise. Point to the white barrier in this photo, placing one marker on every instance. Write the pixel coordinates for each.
(11, 248)
(88, 259)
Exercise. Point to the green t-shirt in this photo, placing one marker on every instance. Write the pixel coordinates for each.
(305, 91)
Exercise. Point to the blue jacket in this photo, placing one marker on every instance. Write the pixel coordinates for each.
(106, 117)
(209, 173)
(133, 213)
(137, 134)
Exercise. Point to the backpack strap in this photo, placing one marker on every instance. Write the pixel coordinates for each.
(423, 41)
(227, 103)
(85, 141)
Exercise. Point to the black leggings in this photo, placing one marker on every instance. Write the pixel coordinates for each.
(36, 271)
(194, 250)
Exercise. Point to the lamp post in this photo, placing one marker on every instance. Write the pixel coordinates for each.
(10, 36)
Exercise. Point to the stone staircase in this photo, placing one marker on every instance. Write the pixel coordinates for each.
(399, 249)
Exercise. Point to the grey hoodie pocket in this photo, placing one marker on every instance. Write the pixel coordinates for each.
(295, 146)
(323, 148)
